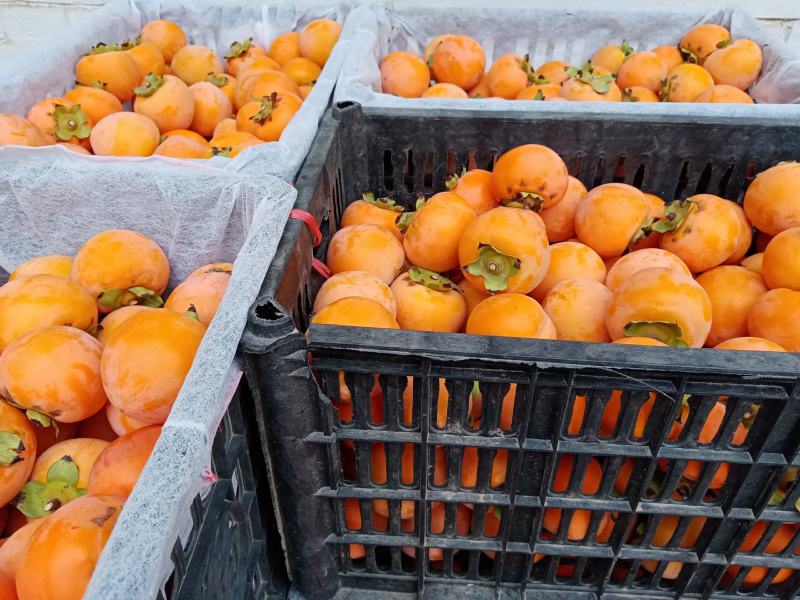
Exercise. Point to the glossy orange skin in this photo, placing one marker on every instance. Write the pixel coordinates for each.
(211, 106)
(579, 523)
(610, 57)
(318, 39)
(118, 466)
(721, 93)
(638, 93)
(366, 247)
(773, 317)
(14, 476)
(120, 259)
(114, 319)
(531, 169)
(704, 39)
(192, 63)
(578, 310)
(16, 131)
(13, 549)
(664, 534)
(444, 90)
(771, 202)
(170, 107)
(510, 315)
(661, 294)
(96, 103)
(56, 371)
(745, 236)
(733, 291)
(514, 232)
(285, 47)
(570, 260)
(41, 300)
(404, 74)
(749, 344)
(356, 312)
(70, 541)
(183, 147)
(271, 129)
(116, 69)
(423, 309)
(554, 71)
(121, 423)
(780, 265)
(225, 127)
(432, 239)
(559, 220)
(475, 186)
(355, 283)
(97, 427)
(52, 264)
(737, 65)
(82, 451)
(167, 36)
(548, 90)
(264, 83)
(203, 291)
(146, 360)
(148, 58)
(639, 260)
(459, 60)
(687, 82)
(609, 216)
(507, 77)
(41, 115)
(670, 55)
(125, 134)
(708, 236)
(236, 142)
(235, 62)
(644, 69)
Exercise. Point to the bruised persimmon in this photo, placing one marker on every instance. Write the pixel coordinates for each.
(125, 134)
(54, 371)
(771, 202)
(578, 309)
(749, 344)
(644, 69)
(120, 422)
(285, 47)
(733, 291)
(114, 319)
(193, 63)
(382, 212)
(570, 260)
(662, 303)
(737, 65)
(404, 74)
(773, 317)
(166, 100)
(559, 220)
(780, 266)
(95, 102)
(532, 175)
(41, 300)
(444, 90)
(670, 55)
(183, 147)
(474, 186)
(508, 76)
(366, 247)
(227, 84)
(610, 217)
(17, 131)
(167, 36)
(317, 40)
(51, 264)
(355, 283)
(686, 82)
(639, 260)
(111, 68)
(118, 466)
(202, 290)
(702, 40)
(240, 51)
(459, 60)
(121, 267)
(146, 360)
(721, 93)
(18, 446)
(612, 57)
(428, 301)
(147, 57)
(211, 106)
(590, 84)
(510, 315)
(431, 240)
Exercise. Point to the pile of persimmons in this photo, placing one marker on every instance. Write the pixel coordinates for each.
(157, 95)
(706, 66)
(527, 251)
(92, 361)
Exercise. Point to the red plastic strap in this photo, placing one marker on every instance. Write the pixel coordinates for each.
(320, 267)
(309, 220)
(209, 477)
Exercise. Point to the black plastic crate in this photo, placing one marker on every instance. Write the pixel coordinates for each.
(233, 549)
(655, 546)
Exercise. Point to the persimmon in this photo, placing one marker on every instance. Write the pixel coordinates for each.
(644, 69)
(637, 93)
(638, 341)
(570, 260)
(258, 64)
(543, 91)
(382, 212)
(226, 84)
(355, 283)
(721, 93)
(482, 89)
(745, 236)
(285, 47)
(473, 296)
(224, 128)
(431, 47)
(366, 247)
(97, 427)
(16, 131)
(559, 220)
(444, 90)
(266, 119)
(737, 64)
(203, 291)
(664, 534)
(702, 40)
(505, 249)
(703, 231)
(554, 71)
(95, 102)
(186, 134)
(32, 302)
(733, 291)
(118, 466)
(530, 175)
(378, 470)
(431, 240)
(578, 309)
(773, 317)
(8, 589)
(302, 71)
(166, 100)
(428, 301)
(111, 68)
(114, 319)
(230, 145)
(662, 303)
(610, 217)
(146, 360)
(262, 84)
(121, 267)
(120, 422)
(183, 147)
(13, 549)
(355, 311)
(590, 84)
(54, 371)
(754, 262)
(147, 57)
(508, 76)
(474, 186)
(68, 542)
(43, 115)
(240, 51)
(192, 63)
(317, 40)
(459, 60)
(211, 106)
(305, 91)
(590, 484)
(167, 36)
(670, 55)
(639, 260)
(612, 57)
(510, 315)
(51, 264)
(779, 541)
(17, 451)
(686, 82)
(749, 344)
(125, 134)
(771, 203)
(780, 265)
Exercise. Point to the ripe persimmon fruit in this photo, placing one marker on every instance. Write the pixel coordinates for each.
(317, 39)
(240, 51)
(192, 63)
(355, 311)
(118, 466)
(559, 220)
(121, 423)
(211, 105)
(201, 292)
(17, 451)
(531, 176)
(474, 186)
(737, 64)
(125, 134)
(644, 69)
(780, 265)
(366, 247)
(773, 317)
(590, 84)
(610, 218)
(702, 40)
(733, 291)
(266, 119)
(639, 260)
(578, 310)
(670, 55)
(382, 212)
(612, 57)
(444, 90)
(722, 93)
(771, 203)
(459, 60)
(16, 131)
(570, 260)
(111, 68)
(428, 301)
(748, 343)
(166, 100)
(51, 264)
(167, 36)
(285, 47)
(685, 83)
(510, 315)
(355, 283)
(95, 102)
(404, 74)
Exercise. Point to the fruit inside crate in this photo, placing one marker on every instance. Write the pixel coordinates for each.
(535, 464)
